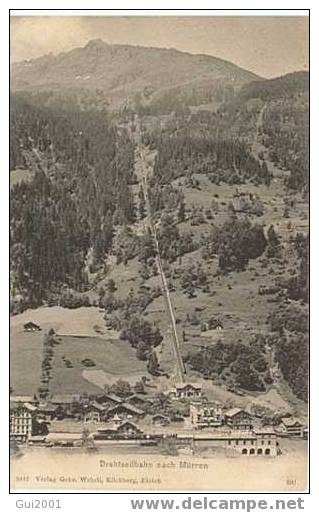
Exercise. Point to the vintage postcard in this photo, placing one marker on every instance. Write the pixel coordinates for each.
(159, 187)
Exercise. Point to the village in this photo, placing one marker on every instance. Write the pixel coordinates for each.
(90, 421)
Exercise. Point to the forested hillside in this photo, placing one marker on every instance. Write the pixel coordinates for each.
(286, 134)
(83, 168)
(222, 170)
(285, 128)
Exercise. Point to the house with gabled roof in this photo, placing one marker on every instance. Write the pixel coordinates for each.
(160, 420)
(31, 326)
(236, 418)
(292, 426)
(138, 400)
(109, 399)
(93, 412)
(186, 391)
(126, 429)
(125, 411)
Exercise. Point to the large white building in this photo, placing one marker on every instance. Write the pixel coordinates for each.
(205, 414)
(256, 442)
(21, 421)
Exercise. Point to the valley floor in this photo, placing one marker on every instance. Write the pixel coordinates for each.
(113, 358)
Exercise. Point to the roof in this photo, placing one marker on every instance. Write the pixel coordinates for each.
(130, 423)
(133, 408)
(128, 407)
(113, 397)
(112, 426)
(95, 405)
(234, 411)
(21, 399)
(291, 421)
(226, 435)
(208, 434)
(215, 323)
(138, 396)
(205, 404)
(30, 407)
(181, 386)
(31, 325)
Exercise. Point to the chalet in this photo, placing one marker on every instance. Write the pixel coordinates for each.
(186, 391)
(214, 324)
(293, 427)
(21, 421)
(138, 400)
(93, 412)
(127, 430)
(160, 420)
(206, 414)
(124, 411)
(109, 400)
(31, 326)
(236, 418)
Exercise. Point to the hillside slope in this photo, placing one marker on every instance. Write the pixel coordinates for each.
(121, 71)
(279, 87)
(228, 193)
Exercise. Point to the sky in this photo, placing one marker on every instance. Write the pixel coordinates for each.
(267, 45)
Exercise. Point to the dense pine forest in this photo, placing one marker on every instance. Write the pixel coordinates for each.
(226, 161)
(83, 168)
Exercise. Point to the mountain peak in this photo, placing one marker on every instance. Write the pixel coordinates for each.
(123, 71)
